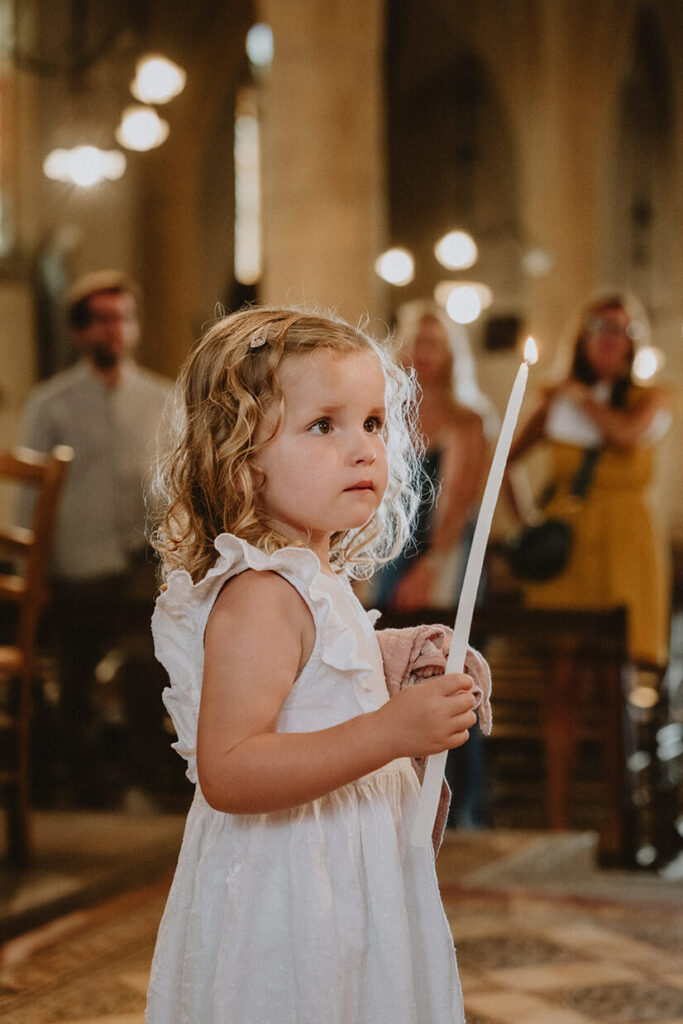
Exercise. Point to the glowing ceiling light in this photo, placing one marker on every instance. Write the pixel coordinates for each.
(259, 45)
(646, 362)
(84, 166)
(141, 129)
(537, 262)
(157, 79)
(443, 290)
(396, 266)
(464, 304)
(456, 251)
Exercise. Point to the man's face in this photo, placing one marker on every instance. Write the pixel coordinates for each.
(113, 330)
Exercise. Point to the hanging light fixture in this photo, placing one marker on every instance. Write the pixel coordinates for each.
(259, 45)
(445, 289)
(76, 43)
(396, 266)
(157, 79)
(647, 362)
(141, 128)
(464, 304)
(456, 251)
(84, 166)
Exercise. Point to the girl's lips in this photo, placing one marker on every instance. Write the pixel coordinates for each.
(363, 485)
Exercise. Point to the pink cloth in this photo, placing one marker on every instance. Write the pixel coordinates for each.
(416, 653)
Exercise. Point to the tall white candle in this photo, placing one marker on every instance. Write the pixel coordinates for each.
(436, 763)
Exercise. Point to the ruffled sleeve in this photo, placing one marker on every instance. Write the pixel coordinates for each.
(174, 631)
(179, 622)
(182, 610)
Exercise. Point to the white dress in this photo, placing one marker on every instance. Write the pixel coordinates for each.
(322, 914)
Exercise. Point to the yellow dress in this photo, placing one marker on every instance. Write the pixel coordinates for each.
(619, 555)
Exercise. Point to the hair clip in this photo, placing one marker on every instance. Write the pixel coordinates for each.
(259, 338)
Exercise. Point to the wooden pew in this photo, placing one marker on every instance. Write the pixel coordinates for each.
(570, 654)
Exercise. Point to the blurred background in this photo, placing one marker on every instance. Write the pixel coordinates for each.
(504, 158)
(302, 141)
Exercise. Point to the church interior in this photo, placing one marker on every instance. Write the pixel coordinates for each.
(316, 153)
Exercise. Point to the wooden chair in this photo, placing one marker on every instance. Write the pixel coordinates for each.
(24, 554)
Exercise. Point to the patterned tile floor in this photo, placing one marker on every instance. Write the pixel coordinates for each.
(543, 937)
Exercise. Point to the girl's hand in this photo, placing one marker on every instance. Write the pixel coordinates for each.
(430, 717)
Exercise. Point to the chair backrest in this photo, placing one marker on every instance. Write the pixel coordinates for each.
(27, 550)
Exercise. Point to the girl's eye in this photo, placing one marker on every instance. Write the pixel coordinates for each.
(373, 425)
(321, 427)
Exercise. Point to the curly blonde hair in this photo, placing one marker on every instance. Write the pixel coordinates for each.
(206, 480)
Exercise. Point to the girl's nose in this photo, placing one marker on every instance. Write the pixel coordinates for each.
(365, 450)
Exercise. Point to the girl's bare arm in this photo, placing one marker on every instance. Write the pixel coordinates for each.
(259, 635)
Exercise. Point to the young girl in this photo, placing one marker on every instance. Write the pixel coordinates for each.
(298, 896)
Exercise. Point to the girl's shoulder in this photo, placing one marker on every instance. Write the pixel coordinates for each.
(258, 601)
(182, 609)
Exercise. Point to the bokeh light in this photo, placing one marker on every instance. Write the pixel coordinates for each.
(647, 362)
(456, 251)
(259, 45)
(84, 166)
(141, 129)
(396, 266)
(443, 291)
(464, 304)
(157, 79)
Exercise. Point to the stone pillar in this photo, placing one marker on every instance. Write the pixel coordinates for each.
(563, 141)
(323, 185)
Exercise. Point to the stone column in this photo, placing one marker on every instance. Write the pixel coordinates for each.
(563, 143)
(323, 184)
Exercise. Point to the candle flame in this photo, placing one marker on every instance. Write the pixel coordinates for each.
(530, 351)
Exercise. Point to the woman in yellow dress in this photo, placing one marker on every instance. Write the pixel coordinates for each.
(619, 556)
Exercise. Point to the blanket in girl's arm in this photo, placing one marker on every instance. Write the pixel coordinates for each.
(416, 653)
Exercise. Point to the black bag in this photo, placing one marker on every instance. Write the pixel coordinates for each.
(541, 552)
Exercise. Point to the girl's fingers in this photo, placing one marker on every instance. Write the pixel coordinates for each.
(457, 682)
(462, 702)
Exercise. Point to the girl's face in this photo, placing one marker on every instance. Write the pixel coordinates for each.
(326, 468)
(431, 353)
(606, 343)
